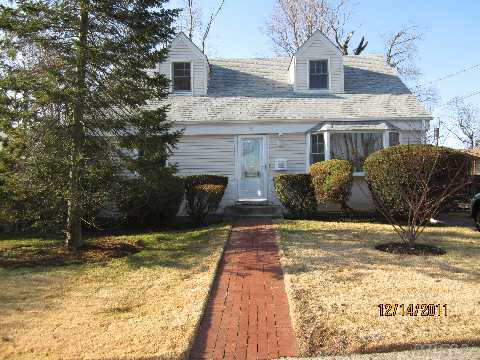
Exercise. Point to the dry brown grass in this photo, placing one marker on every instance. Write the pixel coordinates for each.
(335, 280)
(142, 307)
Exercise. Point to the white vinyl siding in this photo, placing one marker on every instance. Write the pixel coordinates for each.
(215, 154)
(411, 137)
(208, 154)
(205, 154)
(290, 147)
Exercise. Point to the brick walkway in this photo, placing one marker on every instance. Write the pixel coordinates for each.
(247, 315)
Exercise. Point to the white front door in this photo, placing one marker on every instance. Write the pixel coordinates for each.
(252, 168)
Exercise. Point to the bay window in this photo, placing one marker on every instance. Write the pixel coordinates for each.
(353, 146)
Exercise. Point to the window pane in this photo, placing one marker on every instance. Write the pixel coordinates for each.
(318, 81)
(314, 158)
(181, 76)
(394, 138)
(317, 148)
(318, 145)
(355, 147)
(318, 74)
(319, 67)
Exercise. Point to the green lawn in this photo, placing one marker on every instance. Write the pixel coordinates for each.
(144, 305)
(335, 280)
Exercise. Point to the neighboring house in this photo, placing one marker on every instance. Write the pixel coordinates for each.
(250, 119)
(475, 158)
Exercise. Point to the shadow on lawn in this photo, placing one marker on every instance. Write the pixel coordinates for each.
(179, 250)
(42, 286)
(355, 247)
(173, 248)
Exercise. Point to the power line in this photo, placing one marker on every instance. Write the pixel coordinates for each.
(448, 76)
(474, 93)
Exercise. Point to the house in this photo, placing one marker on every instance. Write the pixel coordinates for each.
(250, 119)
(474, 155)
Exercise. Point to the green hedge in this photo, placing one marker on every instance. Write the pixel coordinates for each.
(395, 174)
(151, 202)
(295, 192)
(332, 182)
(203, 194)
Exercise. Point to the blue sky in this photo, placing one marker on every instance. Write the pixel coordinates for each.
(450, 43)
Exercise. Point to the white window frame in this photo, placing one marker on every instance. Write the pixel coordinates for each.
(181, 92)
(329, 69)
(327, 142)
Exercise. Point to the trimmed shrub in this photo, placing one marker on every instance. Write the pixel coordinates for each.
(152, 201)
(203, 194)
(332, 182)
(398, 175)
(295, 192)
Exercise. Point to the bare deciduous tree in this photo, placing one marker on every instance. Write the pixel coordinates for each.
(211, 19)
(401, 51)
(293, 21)
(427, 95)
(190, 21)
(193, 18)
(466, 118)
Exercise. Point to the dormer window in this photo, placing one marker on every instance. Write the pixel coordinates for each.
(318, 75)
(182, 77)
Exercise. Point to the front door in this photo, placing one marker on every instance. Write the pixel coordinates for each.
(252, 168)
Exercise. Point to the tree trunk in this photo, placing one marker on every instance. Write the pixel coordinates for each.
(74, 225)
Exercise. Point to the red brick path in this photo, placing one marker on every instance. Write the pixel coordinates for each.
(247, 315)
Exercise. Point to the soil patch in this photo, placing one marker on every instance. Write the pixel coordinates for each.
(416, 249)
(54, 254)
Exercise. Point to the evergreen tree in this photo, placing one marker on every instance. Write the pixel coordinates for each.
(74, 91)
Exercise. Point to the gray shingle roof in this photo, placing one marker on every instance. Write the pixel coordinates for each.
(258, 89)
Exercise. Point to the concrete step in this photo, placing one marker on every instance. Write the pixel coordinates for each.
(253, 211)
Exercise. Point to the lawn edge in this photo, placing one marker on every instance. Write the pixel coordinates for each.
(287, 279)
(191, 341)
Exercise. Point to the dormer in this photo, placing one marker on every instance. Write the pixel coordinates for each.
(317, 66)
(186, 67)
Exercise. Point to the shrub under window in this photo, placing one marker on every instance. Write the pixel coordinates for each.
(203, 195)
(332, 182)
(151, 201)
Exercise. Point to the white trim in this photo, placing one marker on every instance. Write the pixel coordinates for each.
(308, 149)
(296, 121)
(386, 139)
(326, 138)
(244, 129)
(265, 165)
